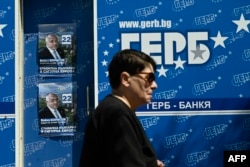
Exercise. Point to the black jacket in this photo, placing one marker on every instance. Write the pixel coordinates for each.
(115, 137)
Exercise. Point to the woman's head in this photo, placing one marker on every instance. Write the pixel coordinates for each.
(130, 61)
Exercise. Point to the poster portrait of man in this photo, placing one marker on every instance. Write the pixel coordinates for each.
(57, 112)
(56, 49)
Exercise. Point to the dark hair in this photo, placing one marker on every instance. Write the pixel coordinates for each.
(128, 60)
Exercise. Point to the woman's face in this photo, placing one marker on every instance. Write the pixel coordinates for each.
(142, 85)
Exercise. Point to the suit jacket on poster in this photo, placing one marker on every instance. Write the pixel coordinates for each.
(44, 53)
(46, 113)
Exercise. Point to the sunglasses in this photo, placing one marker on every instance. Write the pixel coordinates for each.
(149, 79)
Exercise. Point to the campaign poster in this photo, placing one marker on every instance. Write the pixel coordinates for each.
(56, 49)
(57, 109)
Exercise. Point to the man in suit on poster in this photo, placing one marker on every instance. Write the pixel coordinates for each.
(52, 51)
(52, 110)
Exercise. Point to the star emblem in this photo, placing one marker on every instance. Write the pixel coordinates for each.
(107, 73)
(162, 71)
(179, 63)
(111, 45)
(198, 52)
(1, 28)
(105, 53)
(104, 63)
(242, 24)
(219, 40)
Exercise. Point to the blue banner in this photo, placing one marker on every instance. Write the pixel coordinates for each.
(7, 83)
(200, 47)
(202, 104)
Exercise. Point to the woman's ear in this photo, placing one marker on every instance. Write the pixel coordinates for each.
(125, 77)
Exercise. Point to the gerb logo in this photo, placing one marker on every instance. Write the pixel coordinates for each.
(236, 158)
(163, 46)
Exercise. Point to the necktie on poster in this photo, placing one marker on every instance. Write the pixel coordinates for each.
(56, 55)
(57, 114)
(58, 58)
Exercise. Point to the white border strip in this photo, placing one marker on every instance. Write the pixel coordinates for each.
(19, 143)
(7, 116)
(174, 113)
(96, 92)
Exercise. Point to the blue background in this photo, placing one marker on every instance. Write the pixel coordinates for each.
(182, 133)
(181, 137)
(7, 83)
